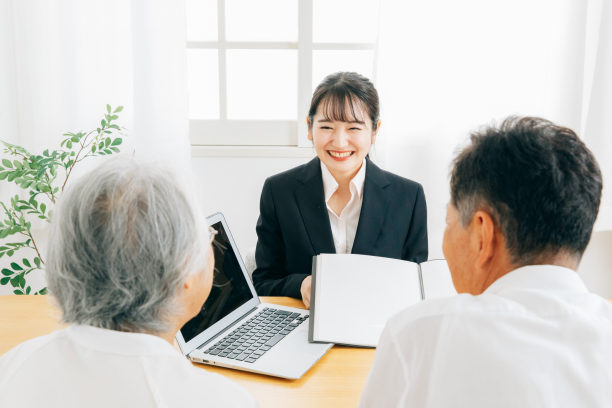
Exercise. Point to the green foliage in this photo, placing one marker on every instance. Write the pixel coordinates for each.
(38, 174)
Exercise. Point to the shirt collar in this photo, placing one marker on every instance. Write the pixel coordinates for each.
(116, 342)
(330, 185)
(542, 277)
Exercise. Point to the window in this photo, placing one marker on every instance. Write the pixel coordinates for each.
(253, 64)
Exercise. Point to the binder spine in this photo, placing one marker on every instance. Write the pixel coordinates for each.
(313, 287)
(421, 282)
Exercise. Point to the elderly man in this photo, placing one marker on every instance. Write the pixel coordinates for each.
(129, 262)
(524, 331)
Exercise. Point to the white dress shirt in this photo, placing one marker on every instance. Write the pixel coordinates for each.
(344, 226)
(535, 338)
(84, 366)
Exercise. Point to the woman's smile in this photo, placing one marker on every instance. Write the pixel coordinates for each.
(339, 155)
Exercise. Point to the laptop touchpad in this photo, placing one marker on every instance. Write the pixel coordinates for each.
(299, 343)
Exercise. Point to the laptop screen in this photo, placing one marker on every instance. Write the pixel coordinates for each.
(230, 289)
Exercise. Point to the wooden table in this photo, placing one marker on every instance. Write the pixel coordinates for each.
(335, 381)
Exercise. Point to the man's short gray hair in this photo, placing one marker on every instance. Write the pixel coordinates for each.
(123, 240)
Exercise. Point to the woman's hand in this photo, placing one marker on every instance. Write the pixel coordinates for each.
(305, 291)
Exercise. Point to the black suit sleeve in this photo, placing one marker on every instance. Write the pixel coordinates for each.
(416, 247)
(271, 277)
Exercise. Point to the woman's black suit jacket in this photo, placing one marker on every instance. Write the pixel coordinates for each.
(293, 225)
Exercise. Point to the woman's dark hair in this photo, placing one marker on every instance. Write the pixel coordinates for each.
(342, 88)
(538, 181)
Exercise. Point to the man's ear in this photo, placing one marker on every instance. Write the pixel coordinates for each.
(484, 238)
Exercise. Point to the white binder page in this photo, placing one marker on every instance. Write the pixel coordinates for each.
(356, 294)
(437, 280)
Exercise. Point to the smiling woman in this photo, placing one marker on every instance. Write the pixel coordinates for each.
(340, 202)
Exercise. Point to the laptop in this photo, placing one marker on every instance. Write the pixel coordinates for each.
(235, 330)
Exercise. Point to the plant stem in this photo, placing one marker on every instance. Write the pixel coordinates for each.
(35, 247)
(29, 234)
(75, 160)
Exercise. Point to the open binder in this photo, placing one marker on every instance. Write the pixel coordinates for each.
(352, 296)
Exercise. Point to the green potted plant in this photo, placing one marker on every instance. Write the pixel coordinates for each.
(38, 175)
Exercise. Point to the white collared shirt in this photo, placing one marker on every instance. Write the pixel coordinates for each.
(344, 226)
(84, 366)
(535, 338)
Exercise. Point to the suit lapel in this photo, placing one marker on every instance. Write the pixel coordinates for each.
(311, 201)
(373, 209)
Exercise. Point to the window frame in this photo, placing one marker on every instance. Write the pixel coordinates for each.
(281, 133)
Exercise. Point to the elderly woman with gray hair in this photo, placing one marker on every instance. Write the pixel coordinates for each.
(129, 263)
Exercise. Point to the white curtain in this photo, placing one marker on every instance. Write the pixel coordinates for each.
(62, 61)
(446, 67)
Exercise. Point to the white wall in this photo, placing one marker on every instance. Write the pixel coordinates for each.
(596, 266)
(233, 187)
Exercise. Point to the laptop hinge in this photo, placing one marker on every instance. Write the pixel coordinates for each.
(226, 329)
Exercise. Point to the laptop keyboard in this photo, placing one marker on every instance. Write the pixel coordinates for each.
(257, 335)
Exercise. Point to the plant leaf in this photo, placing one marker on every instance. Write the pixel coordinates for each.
(46, 153)
(75, 139)
(103, 123)
(22, 281)
(37, 261)
(43, 207)
(16, 266)
(17, 165)
(4, 175)
(4, 281)
(43, 291)
(26, 263)
(10, 253)
(107, 142)
(117, 141)
(119, 109)
(7, 163)
(28, 290)
(108, 108)
(18, 292)
(7, 272)
(69, 144)
(114, 149)
(15, 281)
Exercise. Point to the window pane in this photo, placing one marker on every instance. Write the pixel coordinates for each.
(342, 21)
(330, 61)
(261, 20)
(203, 83)
(201, 20)
(262, 84)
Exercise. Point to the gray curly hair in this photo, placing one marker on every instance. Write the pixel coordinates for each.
(123, 240)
